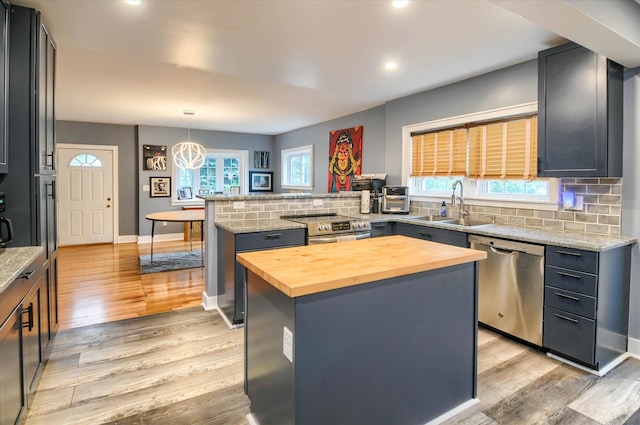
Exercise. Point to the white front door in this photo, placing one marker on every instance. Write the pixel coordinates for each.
(85, 196)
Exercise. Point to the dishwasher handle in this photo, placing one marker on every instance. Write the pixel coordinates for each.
(505, 247)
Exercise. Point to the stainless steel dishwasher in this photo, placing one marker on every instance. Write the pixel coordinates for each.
(511, 287)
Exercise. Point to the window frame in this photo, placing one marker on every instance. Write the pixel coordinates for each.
(473, 196)
(242, 180)
(285, 158)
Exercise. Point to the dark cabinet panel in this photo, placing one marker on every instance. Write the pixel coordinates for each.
(380, 229)
(12, 396)
(449, 237)
(4, 77)
(579, 113)
(32, 358)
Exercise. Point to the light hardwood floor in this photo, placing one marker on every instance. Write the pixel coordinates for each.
(186, 367)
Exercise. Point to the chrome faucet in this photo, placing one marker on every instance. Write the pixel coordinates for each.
(462, 212)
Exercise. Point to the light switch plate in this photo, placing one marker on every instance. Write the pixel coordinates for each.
(145, 188)
(287, 344)
(317, 202)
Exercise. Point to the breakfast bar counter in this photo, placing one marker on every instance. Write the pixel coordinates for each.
(372, 331)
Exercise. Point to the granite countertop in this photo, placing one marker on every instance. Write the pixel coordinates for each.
(585, 241)
(268, 196)
(13, 261)
(387, 257)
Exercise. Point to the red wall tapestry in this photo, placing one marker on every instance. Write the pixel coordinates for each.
(345, 157)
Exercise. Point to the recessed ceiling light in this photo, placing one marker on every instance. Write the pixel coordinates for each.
(400, 3)
(390, 66)
(133, 2)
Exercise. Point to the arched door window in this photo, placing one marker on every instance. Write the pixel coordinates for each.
(85, 160)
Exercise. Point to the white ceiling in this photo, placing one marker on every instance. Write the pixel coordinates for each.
(273, 66)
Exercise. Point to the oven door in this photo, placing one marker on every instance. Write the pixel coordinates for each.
(314, 240)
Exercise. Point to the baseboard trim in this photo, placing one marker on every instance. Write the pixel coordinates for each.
(633, 347)
(209, 303)
(453, 412)
(606, 369)
(127, 239)
(164, 237)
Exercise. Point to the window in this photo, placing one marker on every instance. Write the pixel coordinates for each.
(222, 172)
(500, 153)
(297, 168)
(85, 160)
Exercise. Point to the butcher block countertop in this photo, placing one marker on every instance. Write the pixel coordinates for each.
(311, 269)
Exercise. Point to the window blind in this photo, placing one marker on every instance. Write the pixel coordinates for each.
(441, 153)
(504, 150)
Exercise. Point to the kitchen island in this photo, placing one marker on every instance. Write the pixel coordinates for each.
(374, 331)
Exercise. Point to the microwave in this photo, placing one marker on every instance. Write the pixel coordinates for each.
(395, 200)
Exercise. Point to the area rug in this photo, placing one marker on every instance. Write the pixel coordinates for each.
(170, 261)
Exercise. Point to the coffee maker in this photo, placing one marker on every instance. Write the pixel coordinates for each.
(6, 230)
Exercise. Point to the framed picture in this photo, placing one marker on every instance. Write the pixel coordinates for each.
(160, 187)
(154, 157)
(260, 181)
(185, 193)
(261, 159)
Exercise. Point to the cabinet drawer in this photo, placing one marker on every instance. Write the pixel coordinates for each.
(568, 334)
(571, 280)
(449, 237)
(571, 302)
(380, 229)
(273, 239)
(575, 259)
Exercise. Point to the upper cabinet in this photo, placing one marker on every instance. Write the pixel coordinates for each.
(4, 80)
(579, 113)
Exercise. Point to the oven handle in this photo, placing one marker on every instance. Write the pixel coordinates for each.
(331, 239)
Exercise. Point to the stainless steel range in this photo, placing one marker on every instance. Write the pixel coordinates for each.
(328, 228)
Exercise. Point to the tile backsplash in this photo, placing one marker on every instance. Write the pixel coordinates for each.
(601, 212)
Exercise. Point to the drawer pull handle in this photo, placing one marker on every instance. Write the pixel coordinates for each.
(378, 226)
(29, 323)
(274, 236)
(575, 276)
(26, 275)
(426, 235)
(567, 296)
(560, 316)
(575, 254)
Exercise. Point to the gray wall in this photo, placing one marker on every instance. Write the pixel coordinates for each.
(506, 87)
(373, 160)
(169, 136)
(631, 190)
(124, 137)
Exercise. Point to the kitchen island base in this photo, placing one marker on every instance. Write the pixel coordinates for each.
(400, 350)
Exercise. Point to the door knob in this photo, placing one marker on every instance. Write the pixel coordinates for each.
(108, 206)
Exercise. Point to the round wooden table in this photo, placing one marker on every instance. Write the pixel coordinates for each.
(182, 216)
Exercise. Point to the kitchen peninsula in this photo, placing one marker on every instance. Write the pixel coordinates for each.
(375, 331)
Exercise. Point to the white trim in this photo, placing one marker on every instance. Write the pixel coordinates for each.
(115, 203)
(127, 239)
(161, 237)
(453, 412)
(633, 347)
(615, 362)
(209, 303)
(252, 420)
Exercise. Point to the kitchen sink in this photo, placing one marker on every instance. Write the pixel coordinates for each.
(467, 222)
(437, 218)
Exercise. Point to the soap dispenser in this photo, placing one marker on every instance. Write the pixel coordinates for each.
(443, 210)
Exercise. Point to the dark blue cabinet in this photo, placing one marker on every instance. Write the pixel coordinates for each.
(4, 76)
(579, 113)
(449, 237)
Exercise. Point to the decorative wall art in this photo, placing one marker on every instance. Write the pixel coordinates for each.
(160, 187)
(154, 157)
(345, 157)
(260, 181)
(261, 159)
(185, 193)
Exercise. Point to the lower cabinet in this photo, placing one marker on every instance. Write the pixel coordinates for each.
(586, 304)
(449, 237)
(21, 349)
(231, 274)
(382, 228)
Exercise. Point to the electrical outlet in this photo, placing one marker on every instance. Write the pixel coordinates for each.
(579, 206)
(287, 344)
(146, 188)
(164, 223)
(317, 202)
(238, 205)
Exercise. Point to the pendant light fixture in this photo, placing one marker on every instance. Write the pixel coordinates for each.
(188, 155)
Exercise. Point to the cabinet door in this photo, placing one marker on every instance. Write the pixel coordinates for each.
(45, 103)
(31, 344)
(11, 385)
(4, 57)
